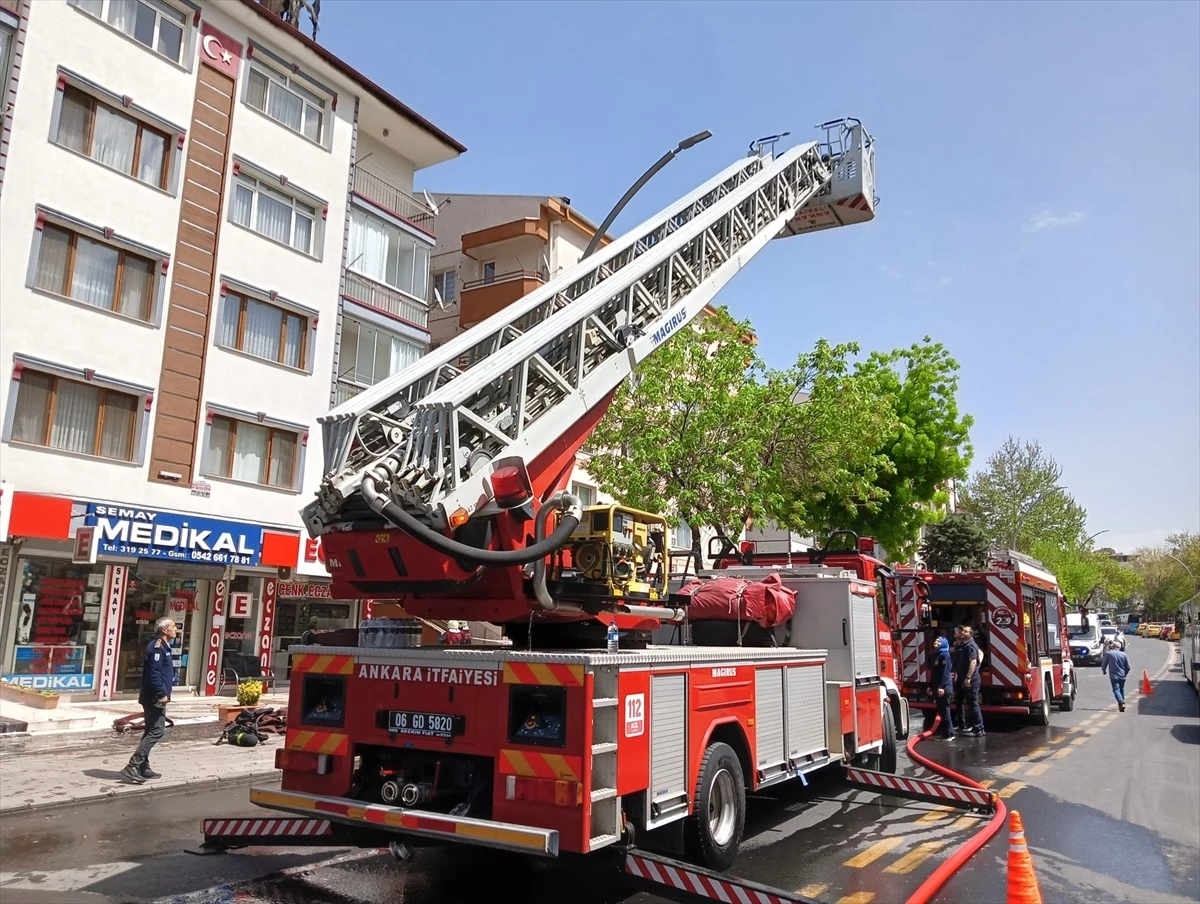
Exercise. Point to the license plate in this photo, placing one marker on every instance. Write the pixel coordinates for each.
(426, 725)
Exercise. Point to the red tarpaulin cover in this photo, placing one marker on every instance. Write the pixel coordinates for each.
(767, 603)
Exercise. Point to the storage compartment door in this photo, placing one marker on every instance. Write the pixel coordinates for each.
(668, 797)
(768, 723)
(866, 638)
(805, 712)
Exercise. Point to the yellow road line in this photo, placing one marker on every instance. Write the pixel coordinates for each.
(1039, 769)
(1077, 741)
(1011, 788)
(915, 858)
(859, 897)
(812, 891)
(873, 853)
(1041, 751)
(1066, 751)
(965, 822)
(934, 816)
(1010, 768)
(988, 782)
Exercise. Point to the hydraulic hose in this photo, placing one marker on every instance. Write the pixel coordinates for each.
(942, 874)
(561, 501)
(386, 508)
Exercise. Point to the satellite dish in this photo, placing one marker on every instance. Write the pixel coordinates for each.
(428, 200)
(437, 299)
(546, 265)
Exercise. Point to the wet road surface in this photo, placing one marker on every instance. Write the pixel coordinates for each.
(1111, 809)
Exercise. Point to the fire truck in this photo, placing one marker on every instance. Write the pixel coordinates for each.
(1019, 618)
(444, 490)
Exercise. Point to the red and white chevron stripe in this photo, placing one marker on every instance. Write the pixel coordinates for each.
(914, 665)
(938, 790)
(1006, 661)
(259, 828)
(858, 202)
(703, 884)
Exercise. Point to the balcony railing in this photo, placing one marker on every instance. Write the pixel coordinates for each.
(505, 277)
(347, 390)
(385, 298)
(393, 200)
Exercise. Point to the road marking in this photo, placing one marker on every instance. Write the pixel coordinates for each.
(988, 782)
(1041, 751)
(1065, 751)
(965, 822)
(1010, 768)
(812, 891)
(859, 897)
(873, 853)
(915, 858)
(1039, 769)
(1011, 788)
(933, 816)
(1075, 742)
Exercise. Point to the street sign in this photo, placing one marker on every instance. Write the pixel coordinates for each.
(85, 546)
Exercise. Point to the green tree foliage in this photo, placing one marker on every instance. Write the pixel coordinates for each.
(706, 433)
(955, 541)
(1166, 584)
(1086, 576)
(927, 446)
(1019, 501)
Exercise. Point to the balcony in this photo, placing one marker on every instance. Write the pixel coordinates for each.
(346, 390)
(398, 203)
(481, 299)
(384, 298)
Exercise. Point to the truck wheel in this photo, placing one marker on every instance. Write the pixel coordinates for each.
(1068, 701)
(1041, 715)
(887, 757)
(715, 829)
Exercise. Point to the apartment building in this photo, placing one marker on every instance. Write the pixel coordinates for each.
(207, 236)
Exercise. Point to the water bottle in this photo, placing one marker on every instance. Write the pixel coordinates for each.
(613, 638)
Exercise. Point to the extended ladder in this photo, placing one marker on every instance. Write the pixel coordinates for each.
(515, 383)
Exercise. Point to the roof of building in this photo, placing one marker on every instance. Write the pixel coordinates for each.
(387, 99)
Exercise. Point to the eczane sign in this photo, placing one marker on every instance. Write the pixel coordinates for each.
(123, 530)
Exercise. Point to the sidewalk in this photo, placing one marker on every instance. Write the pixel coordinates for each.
(81, 764)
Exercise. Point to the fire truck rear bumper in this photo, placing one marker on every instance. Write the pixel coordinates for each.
(413, 823)
(1012, 709)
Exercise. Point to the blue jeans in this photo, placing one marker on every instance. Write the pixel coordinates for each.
(1118, 689)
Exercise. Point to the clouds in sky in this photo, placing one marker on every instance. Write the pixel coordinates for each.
(1047, 220)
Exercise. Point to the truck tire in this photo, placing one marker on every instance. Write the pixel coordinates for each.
(1067, 703)
(887, 757)
(1041, 715)
(714, 830)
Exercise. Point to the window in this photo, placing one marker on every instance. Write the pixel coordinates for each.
(95, 273)
(681, 536)
(285, 101)
(586, 494)
(388, 254)
(446, 284)
(112, 138)
(154, 25)
(74, 417)
(273, 214)
(263, 330)
(6, 43)
(253, 453)
(489, 273)
(369, 354)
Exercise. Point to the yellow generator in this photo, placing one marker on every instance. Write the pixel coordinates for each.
(616, 553)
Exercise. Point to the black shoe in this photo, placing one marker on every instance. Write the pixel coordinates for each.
(131, 772)
(1121, 707)
(945, 737)
(978, 732)
(147, 772)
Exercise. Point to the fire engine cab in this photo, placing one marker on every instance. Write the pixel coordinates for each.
(444, 490)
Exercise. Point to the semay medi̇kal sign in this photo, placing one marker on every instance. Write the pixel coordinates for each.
(123, 530)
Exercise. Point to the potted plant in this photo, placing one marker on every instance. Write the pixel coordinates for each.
(249, 691)
(28, 696)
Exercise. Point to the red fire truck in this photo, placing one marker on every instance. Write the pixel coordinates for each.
(1019, 618)
(443, 489)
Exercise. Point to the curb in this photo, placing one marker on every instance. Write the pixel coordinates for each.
(29, 742)
(172, 787)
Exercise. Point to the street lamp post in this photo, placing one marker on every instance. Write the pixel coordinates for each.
(637, 186)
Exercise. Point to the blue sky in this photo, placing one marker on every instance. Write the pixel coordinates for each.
(1038, 169)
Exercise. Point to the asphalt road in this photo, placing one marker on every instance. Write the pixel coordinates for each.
(1111, 804)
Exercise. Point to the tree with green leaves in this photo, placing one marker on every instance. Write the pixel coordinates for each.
(927, 447)
(1019, 501)
(1170, 574)
(1086, 576)
(954, 542)
(705, 432)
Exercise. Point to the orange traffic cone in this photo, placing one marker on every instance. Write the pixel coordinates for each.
(1147, 687)
(1022, 883)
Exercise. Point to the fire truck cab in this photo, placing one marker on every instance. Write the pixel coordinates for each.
(1018, 616)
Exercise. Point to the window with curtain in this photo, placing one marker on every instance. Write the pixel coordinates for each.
(286, 101)
(94, 272)
(252, 453)
(263, 330)
(74, 416)
(387, 254)
(369, 354)
(110, 137)
(273, 213)
(157, 26)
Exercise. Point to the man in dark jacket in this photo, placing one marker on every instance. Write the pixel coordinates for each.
(158, 678)
(969, 679)
(943, 683)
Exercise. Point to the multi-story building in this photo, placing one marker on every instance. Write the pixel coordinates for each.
(207, 236)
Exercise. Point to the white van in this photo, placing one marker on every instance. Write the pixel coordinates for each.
(1087, 641)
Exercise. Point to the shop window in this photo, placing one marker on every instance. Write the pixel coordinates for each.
(147, 599)
(57, 625)
(241, 622)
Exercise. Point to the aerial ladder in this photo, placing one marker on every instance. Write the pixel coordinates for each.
(434, 477)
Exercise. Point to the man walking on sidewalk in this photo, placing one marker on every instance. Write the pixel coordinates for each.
(1115, 663)
(158, 677)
